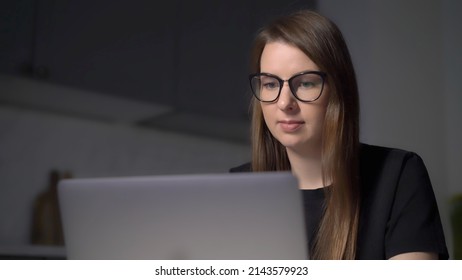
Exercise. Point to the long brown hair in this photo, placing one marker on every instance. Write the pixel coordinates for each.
(321, 40)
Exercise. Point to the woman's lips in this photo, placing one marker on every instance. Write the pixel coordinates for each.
(290, 125)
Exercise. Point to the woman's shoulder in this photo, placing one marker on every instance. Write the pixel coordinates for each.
(379, 159)
(374, 152)
(389, 164)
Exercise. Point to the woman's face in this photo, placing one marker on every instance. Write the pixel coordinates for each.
(296, 124)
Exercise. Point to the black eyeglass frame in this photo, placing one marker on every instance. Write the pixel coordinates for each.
(323, 76)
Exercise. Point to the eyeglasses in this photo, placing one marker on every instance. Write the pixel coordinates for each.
(305, 86)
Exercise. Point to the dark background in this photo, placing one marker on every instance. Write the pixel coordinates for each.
(191, 56)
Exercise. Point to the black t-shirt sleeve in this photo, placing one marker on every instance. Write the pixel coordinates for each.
(246, 167)
(414, 224)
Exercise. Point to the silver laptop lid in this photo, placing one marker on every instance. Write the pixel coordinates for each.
(210, 216)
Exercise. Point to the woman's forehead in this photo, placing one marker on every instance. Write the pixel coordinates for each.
(281, 58)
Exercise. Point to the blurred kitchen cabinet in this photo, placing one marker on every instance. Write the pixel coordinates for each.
(190, 55)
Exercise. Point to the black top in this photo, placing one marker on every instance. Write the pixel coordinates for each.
(399, 213)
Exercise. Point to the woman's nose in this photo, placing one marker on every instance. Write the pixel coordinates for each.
(287, 101)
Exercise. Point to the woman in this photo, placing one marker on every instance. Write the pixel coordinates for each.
(361, 201)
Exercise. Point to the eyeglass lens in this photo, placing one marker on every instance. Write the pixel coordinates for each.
(306, 87)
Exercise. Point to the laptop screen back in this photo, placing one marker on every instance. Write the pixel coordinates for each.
(208, 216)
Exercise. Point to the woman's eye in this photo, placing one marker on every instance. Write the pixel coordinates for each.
(270, 85)
(307, 84)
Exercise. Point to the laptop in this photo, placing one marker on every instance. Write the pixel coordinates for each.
(197, 216)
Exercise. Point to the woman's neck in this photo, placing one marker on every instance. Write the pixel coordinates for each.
(307, 167)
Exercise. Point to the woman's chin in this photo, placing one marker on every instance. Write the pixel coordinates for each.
(300, 145)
